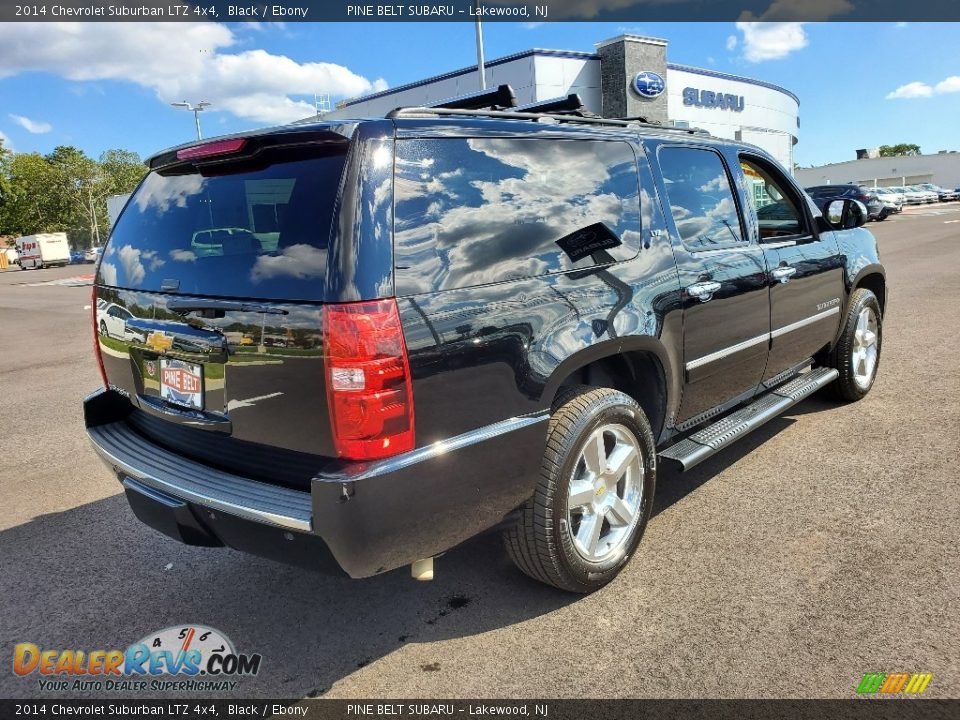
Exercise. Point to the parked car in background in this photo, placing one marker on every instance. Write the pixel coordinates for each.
(13, 257)
(875, 207)
(92, 254)
(910, 197)
(891, 200)
(76, 257)
(943, 194)
(926, 196)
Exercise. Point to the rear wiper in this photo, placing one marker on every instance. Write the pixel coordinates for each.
(216, 308)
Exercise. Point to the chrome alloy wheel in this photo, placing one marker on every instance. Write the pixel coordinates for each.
(606, 493)
(864, 352)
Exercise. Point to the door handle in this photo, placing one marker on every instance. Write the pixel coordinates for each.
(784, 273)
(703, 291)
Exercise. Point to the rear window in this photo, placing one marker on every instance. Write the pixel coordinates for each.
(251, 231)
(483, 210)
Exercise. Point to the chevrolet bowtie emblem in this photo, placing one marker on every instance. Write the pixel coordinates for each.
(159, 341)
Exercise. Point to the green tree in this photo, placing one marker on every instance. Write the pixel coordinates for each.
(898, 150)
(63, 191)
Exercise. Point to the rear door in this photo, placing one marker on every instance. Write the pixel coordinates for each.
(723, 273)
(806, 276)
(216, 275)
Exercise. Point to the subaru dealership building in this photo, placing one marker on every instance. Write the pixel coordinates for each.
(628, 76)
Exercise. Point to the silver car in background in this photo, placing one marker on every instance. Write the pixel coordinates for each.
(892, 201)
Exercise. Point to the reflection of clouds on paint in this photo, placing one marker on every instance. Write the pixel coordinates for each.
(154, 261)
(162, 193)
(133, 270)
(494, 208)
(297, 261)
(108, 273)
(183, 255)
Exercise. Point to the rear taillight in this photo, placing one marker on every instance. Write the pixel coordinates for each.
(368, 380)
(96, 334)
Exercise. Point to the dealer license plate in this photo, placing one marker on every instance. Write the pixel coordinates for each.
(181, 383)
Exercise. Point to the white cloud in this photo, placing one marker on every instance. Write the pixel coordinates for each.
(911, 90)
(771, 40)
(731, 42)
(37, 127)
(919, 89)
(950, 85)
(178, 61)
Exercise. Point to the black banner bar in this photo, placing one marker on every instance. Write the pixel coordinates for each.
(485, 10)
(320, 709)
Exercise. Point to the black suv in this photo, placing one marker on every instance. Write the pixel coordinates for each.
(357, 344)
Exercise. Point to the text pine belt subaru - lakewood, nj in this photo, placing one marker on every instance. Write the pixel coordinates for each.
(354, 345)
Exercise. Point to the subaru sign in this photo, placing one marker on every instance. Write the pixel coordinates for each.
(649, 84)
(695, 97)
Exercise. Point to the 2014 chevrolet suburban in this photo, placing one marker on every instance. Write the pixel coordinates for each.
(358, 344)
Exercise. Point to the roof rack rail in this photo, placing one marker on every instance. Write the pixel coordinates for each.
(569, 103)
(501, 96)
(517, 114)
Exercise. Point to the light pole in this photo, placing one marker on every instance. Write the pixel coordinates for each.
(196, 110)
(480, 64)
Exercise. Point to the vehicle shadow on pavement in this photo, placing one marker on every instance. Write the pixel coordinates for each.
(93, 577)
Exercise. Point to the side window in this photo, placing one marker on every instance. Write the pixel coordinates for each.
(701, 198)
(774, 201)
(482, 210)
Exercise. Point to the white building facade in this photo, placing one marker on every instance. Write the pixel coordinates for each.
(725, 105)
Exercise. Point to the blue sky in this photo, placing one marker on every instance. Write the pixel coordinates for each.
(107, 85)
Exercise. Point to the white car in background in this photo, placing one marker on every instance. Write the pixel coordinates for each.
(91, 255)
(910, 196)
(926, 196)
(891, 200)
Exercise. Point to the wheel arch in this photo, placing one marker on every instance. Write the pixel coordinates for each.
(873, 279)
(639, 367)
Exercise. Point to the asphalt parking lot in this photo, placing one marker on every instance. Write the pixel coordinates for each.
(821, 547)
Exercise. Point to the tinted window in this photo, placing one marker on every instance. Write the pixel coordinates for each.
(251, 231)
(700, 197)
(773, 200)
(484, 210)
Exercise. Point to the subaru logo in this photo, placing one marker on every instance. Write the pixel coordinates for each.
(649, 84)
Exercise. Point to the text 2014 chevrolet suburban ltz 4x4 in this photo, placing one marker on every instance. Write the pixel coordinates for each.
(358, 344)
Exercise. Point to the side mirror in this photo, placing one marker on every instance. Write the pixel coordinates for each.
(845, 214)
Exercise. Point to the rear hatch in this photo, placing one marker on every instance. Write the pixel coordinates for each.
(209, 303)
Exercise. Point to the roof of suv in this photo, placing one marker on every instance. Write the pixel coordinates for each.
(438, 121)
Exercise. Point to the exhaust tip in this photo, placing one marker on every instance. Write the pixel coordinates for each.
(422, 570)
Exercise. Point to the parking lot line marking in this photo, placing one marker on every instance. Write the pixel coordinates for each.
(74, 281)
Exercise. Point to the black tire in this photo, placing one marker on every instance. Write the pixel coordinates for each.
(846, 386)
(103, 328)
(882, 216)
(541, 543)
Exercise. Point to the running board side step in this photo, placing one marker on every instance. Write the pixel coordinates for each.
(702, 444)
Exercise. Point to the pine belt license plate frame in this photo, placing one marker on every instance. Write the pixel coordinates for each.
(181, 383)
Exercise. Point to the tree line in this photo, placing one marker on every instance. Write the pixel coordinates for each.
(63, 191)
